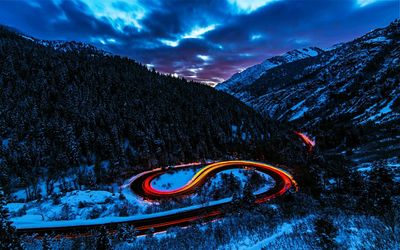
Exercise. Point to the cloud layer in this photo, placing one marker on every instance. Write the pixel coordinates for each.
(205, 41)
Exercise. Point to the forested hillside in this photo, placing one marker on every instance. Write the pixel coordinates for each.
(63, 108)
(346, 96)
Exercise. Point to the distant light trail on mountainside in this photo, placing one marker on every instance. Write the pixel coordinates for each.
(310, 143)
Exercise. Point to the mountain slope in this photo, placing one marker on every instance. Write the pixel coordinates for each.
(348, 96)
(249, 75)
(66, 46)
(358, 79)
(68, 108)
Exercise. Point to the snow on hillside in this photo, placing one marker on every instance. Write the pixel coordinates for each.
(282, 230)
(66, 46)
(35, 221)
(354, 232)
(251, 74)
(392, 164)
(357, 79)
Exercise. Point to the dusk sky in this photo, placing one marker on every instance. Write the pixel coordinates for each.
(203, 40)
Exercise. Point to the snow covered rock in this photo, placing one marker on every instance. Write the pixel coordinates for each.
(249, 75)
(358, 80)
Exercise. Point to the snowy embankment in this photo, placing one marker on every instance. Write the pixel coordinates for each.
(353, 232)
(90, 207)
(35, 223)
(281, 231)
(391, 164)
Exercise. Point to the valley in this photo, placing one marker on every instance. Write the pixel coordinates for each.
(103, 148)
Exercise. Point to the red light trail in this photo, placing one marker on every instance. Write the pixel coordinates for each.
(141, 185)
(310, 143)
(149, 192)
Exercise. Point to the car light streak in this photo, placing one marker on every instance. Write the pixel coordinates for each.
(310, 143)
(141, 185)
(149, 192)
(179, 221)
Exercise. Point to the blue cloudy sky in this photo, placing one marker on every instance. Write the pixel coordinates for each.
(203, 40)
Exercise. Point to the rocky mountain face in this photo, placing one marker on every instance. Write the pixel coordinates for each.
(239, 80)
(352, 87)
(358, 79)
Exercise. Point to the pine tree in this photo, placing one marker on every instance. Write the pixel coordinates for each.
(126, 233)
(46, 242)
(103, 241)
(150, 233)
(380, 190)
(8, 239)
(248, 197)
(79, 243)
(326, 233)
(121, 232)
(4, 172)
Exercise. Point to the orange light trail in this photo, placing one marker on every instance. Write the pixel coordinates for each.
(141, 184)
(200, 177)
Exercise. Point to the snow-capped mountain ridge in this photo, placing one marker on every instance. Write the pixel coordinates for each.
(358, 79)
(67, 46)
(252, 73)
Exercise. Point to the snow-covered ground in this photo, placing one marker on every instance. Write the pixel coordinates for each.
(281, 231)
(391, 164)
(177, 179)
(33, 221)
(251, 74)
(75, 206)
(354, 232)
(173, 179)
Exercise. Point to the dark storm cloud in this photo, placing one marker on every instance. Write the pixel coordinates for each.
(201, 40)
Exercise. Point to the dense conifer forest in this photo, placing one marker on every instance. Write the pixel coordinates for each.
(61, 109)
(64, 110)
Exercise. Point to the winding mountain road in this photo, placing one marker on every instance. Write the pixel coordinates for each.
(141, 185)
